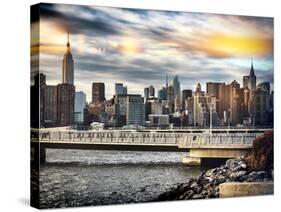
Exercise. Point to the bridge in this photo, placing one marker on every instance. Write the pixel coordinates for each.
(201, 144)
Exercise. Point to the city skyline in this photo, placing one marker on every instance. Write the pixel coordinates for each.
(133, 49)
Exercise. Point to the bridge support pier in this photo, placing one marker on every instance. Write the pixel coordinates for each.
(212, 156)
(191, 161)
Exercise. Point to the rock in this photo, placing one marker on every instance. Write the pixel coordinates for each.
(240, 167)
(198, 189)
(211, 194)
(211, 172)
(235, 176)
(244, 178)
(221, 179)
(232, 163)
(189, 194)
(254, 176)
(217, 194)
(263, 174)
(194, 185)
(197, 196)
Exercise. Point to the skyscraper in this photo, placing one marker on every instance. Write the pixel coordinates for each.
(79, 106)
(120, 89)
(98, 92)
(162, 94)
(50, 105)
(250, 80)
(37, 95)
(177, 93)
(235, 101)
(151, 91)
(146, 92)
(67, 65)
(264, 86)
(135, 110)
(185, 94)
(66, 95)
(200, 107)
(260, 106)
(216, 89)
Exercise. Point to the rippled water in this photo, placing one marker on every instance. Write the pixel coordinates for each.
(89, 177)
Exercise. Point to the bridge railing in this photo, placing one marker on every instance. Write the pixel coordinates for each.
(182, 140)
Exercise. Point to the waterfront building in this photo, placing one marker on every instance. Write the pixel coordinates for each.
(189, 110)
(158, 120)
(264, 86)
(177, 93)
(171, 99)
(50, 105)
(234, 100)
(185, 95)
(151, 91)
(153, 106)
(162, 94)
(119, 110)
(217, 90)
(203, 105)
(65, 104)
(245, 101)
(37, 101)
(260, 107)
(79, 106)
(135, 110)
(200, 106)
(67, 65)
(146, 93)
(98, 92)
(120, 89)
(95, 109)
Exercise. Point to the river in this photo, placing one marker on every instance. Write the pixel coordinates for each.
(91, 177)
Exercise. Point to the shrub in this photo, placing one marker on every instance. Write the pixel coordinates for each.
(261, 156)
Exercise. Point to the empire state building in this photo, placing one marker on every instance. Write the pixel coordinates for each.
(67, 66)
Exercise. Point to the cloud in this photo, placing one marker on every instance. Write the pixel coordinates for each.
(76, 24)
(139, 47)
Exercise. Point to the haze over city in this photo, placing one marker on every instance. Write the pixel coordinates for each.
(139, 47)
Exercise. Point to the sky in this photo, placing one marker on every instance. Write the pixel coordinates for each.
(139, 47)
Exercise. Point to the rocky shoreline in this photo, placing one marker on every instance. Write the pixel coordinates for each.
(206, 185)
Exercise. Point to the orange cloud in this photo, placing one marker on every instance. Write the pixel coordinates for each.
(129, 46)
(47, 48)
(223, 45)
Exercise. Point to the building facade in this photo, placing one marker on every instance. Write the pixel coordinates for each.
(135, 110)
(65, 104)
(79, 107)
(120, 89)
(98, 92)
(50, 105)
(68, 65)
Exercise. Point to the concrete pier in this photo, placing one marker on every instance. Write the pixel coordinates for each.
(237, 189)
(191, 161)
(210, 154)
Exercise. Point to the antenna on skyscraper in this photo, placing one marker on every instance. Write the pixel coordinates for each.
(68, 39)
(166, 80)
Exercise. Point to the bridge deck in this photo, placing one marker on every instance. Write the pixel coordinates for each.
(147, 141)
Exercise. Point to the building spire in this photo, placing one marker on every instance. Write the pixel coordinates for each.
(252, 72)
(68, 44)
